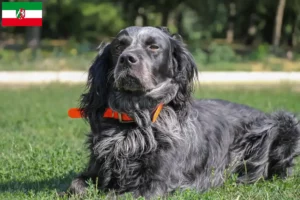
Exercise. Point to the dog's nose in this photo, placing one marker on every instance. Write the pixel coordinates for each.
(128, 58)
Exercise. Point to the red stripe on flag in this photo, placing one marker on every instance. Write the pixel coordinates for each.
(22, 22)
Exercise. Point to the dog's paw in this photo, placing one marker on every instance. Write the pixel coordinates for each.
(78, 187)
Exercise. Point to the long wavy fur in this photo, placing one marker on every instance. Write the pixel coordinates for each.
(193, 144)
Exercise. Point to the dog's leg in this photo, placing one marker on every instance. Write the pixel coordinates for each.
(251, 152)
(285, 146)
(78, 185)
(267, 148)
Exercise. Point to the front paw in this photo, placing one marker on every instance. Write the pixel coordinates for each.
(78, 187)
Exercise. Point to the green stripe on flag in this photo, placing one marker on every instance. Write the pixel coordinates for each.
(18, 14)
(25, 5)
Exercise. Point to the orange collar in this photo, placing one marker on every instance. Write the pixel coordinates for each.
(124, 118)
(109, 113)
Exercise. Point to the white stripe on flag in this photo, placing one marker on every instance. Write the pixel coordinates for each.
(28, 14)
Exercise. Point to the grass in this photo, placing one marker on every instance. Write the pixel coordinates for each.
(270, 64)
(71, 59)
(42, 149)
(26, 60)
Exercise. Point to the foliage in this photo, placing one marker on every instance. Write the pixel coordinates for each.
(221, 53)
(79, 57)
(203, 24)
(261, 52)
(203, 20)
(83, 20)
(57, 59)
(42, 149)
(200, 56)
(106, 16)
(209, 18)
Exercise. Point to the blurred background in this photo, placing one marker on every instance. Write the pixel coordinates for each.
(223, 35)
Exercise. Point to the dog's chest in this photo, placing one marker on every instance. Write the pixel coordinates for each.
(124, 154)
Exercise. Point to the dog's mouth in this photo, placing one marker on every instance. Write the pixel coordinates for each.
(130, 84)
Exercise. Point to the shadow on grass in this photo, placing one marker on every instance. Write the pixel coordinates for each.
(60, 183)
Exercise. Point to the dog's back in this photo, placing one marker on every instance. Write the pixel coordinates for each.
(261, 144)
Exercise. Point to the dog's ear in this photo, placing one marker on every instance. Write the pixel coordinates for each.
(185, 70)
(177, 37)
(164, 29)
(94, 101)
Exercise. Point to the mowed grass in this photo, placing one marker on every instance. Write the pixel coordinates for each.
(41, 149)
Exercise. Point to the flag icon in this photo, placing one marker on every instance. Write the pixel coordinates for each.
(22, 13)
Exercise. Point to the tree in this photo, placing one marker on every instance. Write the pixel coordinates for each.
(278, 23)
(231, 19)
(292, 19)
(165, 7)
(33, 34)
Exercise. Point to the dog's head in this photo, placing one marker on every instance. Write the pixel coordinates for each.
(140, 68)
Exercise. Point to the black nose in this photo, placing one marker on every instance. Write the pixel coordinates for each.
(128, 58)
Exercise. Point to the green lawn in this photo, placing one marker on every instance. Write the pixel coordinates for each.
(42, 149)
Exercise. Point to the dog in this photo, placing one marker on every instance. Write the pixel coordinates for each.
(149, 137)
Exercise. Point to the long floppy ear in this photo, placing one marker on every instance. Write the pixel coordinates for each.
(185, 71)
(94, 101)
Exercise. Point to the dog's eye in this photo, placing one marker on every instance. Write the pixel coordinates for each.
(153, 47)
(120, 45)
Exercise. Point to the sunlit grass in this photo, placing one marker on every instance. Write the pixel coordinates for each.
(42, 149)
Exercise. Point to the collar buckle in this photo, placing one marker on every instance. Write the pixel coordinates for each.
(121, 119)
